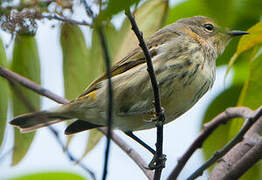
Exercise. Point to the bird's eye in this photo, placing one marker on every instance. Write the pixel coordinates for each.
(209, 27)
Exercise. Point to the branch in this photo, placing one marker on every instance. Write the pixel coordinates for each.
(70, 156)
(239, 137)
(11, 76)
(240, 155)
(31, 108)
(159, 111)
(65, 19)
(247, 161)
(21, 6)
(209, 127)
(130, 152)
(15, 22)
(110, 88)
(110, 98)
(88, 9)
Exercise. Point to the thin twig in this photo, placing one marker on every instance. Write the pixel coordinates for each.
(70, 156)
(88, 9)
(65, 19)
(9, 75)
(131, 135)
(110, 88)
(110, 98)
(209, 127)
(249, 122)
(10, 6)
(159, 111)
(131, 153)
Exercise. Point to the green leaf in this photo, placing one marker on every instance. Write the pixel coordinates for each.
(82, 65)
(251, 96)
(187, 9)
(247, 42)
(119, 42)
(26, 63)
(95, 58)
(210, 9)
(251, 40)
(229, 13)
(240, 68)
(224, 58)
(50, 176)
(76, 66)
(4, 92)
(114, 7)
(219, 138)
(221, 11)
(224, 11)
(242, 73)
(93, 139)
(253, 173)
(250, 8)
(114, 37)
(150, 17)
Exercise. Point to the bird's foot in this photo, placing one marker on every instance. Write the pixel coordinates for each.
(153, 164)
(155, 117)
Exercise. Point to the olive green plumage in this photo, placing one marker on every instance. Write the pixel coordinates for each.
(184, 57)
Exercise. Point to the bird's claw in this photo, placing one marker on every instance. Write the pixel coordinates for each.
(155, 116)
(152, 165)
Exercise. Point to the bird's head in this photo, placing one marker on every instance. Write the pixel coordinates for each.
(206, 31)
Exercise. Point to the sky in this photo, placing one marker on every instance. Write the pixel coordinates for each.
(46, 155)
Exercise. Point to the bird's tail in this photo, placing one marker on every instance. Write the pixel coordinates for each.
(32, 121)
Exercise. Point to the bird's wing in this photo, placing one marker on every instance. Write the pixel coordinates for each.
(134, 58)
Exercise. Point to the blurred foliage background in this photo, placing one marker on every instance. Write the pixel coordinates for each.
(20, 18)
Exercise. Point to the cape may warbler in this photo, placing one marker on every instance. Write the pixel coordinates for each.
(184, 58)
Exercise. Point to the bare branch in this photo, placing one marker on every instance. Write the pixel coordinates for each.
(31, 108)
(88, 9)
(234, 158)
(159, 110)
(70, 156)
(209, 127)
(239, 137)
(65, 19)
(131, 153)
(110, 88)
(110, 98)
(11, 76)
(253, 147)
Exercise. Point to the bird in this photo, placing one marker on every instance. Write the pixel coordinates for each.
(184, 57)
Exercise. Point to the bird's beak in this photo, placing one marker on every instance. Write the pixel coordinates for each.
(237, 33)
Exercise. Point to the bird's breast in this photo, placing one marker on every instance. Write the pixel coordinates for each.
(185, 81)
